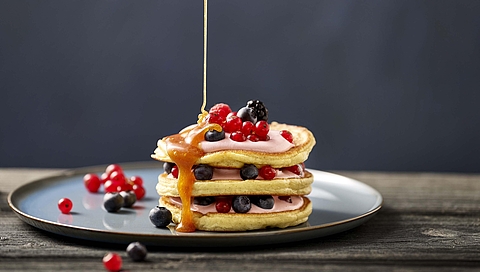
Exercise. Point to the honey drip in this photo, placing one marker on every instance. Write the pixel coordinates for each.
(203, 112)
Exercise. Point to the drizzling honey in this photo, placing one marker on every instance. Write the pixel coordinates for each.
(184, 148)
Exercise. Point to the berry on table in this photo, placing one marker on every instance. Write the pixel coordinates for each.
(139, 191)
(65, 205)
(136, 251)
(160, 216)
(112, 168)
(267, 172)
(129, 198)
(249, 171)
(92, 182)
(110, 187)
(136, 180)
(287, 135)
(259, 108)
(241, 204)
(238, 136)
(117, 177)
(203, 172)
(112, 262)
(261, 129)
(112, 202)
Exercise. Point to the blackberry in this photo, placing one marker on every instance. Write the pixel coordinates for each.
(259, 108)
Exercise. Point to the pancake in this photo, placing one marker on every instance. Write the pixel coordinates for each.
(229, 222)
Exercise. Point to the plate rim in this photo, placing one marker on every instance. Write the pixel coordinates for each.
(35, 221)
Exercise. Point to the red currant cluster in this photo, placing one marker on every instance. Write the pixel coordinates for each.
(241, 128)
(114, 180)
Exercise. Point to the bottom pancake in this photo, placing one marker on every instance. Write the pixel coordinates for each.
(214, 221)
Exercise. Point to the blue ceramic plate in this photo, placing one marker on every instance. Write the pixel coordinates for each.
(339, 204)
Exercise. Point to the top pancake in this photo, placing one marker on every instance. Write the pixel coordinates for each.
(303, 141)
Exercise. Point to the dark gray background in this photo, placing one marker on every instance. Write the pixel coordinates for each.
(384, 85)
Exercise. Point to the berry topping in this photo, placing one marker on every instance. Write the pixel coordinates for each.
(213, 135)
(167, 167)
(136, 180)
(247, 114)
(160, 216)
(223, 205)
(221, 109)
(296, 169)
(129, 198)
(259, 108)
(65, 205)
(110, 187)
(238, 136)
(249, 171)
(136, 251)
(203, 172)
(112, 168)
(287, 135)
(92, 182)
(253, 138)
(139, 191)
(241, 204)
(203, 200)
(285, 198)
(112, 262)
(216, 118)
(117, 177)
(248, 128)
(261, 129)
(175, 171)
(263, 201)
(112, 202)
(234, 123)
(267, 172)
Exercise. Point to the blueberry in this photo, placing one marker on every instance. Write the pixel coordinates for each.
(263, 201)
(136, 251)
(213, 135)
(160, 216)
(204, 200)
(203, 172)
(113, 202)
(167, 167)
(241, 204)
(249, 171)
(129, 198)
(247, 114)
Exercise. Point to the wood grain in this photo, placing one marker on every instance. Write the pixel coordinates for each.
(429, 222)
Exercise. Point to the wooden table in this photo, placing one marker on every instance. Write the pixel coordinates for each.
(429, 222)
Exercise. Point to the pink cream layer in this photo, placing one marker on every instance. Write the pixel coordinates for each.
(234, 174)
(276, 144)
(279, 206)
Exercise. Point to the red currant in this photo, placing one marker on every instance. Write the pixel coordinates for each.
(296, 169)
(175, 171)
(215, 118)
(113, 167)
(221, 108)
(253, 138)
(287, 135)
(65, 205)
(124, 187)
(262, 128)
(248, 128)
(233, 124)
(233, 113)
(238, 136)
(267, 172)
(139, 191)
(111, 187)
(136, 180)
(117, 177)
(285, 198)
(223, 206)
(112, 262)
(92, 182)
(104, 178)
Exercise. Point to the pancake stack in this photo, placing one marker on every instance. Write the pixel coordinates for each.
(236, 183)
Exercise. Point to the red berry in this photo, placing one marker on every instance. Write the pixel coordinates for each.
(238, 136)
(267, 172)
(117, 177)
(215, 118)
(112, 262)
(65, 205)
(139, 191)
(285, 198)
(124, 187)
(221, 108)
(262, 128)
(136, 180)
(248, 128)
(110, 187)
(113, 167)
(266, 138)
(104, 178)
(223, 206)
(233, 113)
(175, 171)
(253, 138)
(296, 169)
(92, 182)
(287, 135)
(233, 124)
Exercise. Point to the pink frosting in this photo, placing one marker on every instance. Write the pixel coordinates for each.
(275, 144)
(279, 206)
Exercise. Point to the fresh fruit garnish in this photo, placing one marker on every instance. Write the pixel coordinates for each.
(216, 118)
(110, 187)
(136, 251)
(175, 171)
(160, 216)
(267, 172)
(92, 182)
(117, 177)
(221, 108)
(213, 135)
(285, 198)
(263, 201)
(203, 200)
(287, 135)
(112, 202)
(167, 167)
(203, 172)
(65, 205)
(241, 204)
(296, 169)
(129, 198)
(253, 138)
(248, 128)
(261, 129)
(112, 262)
(112, 168)
(247, 114)
(223, 205)
(259, 108)
(139, 191)
(238, 136)
(233, 123)
(249, 171)
(136, 180)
